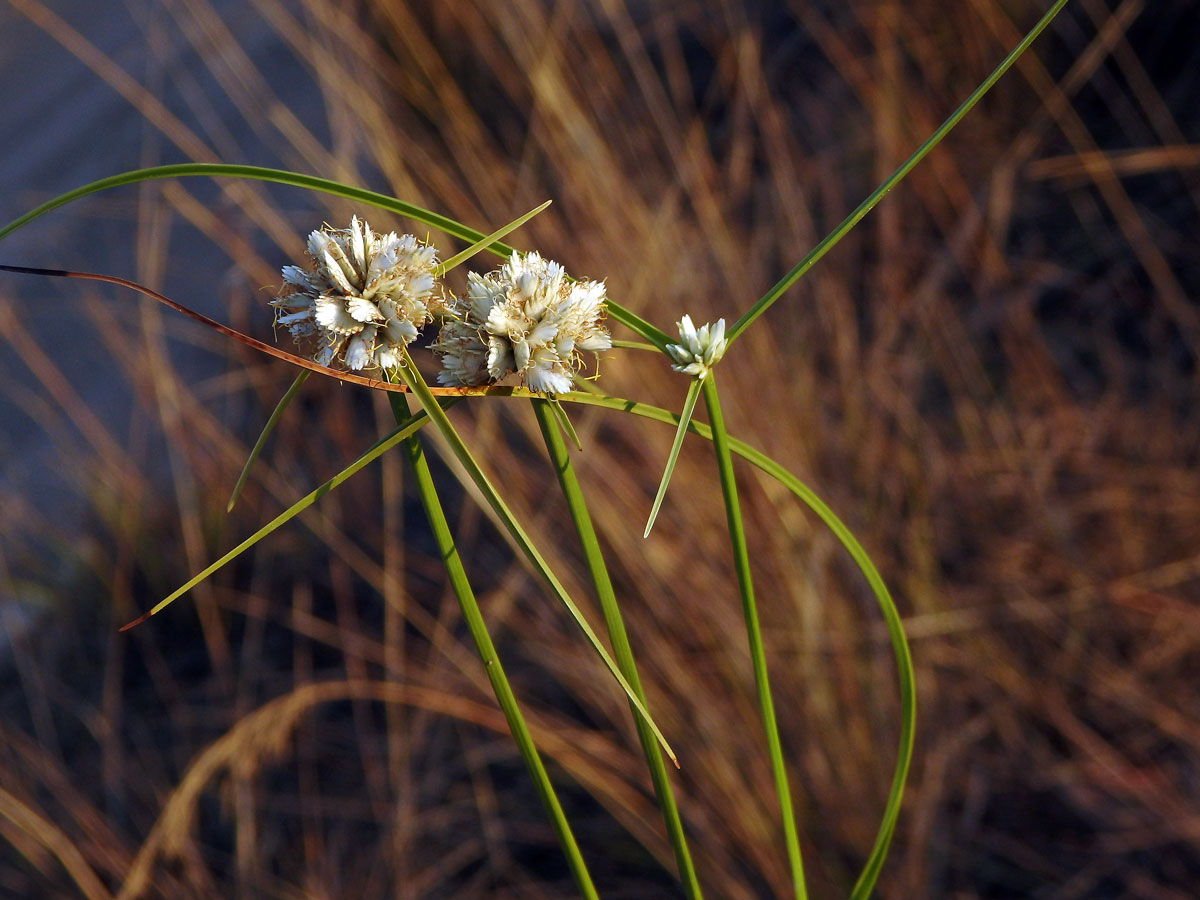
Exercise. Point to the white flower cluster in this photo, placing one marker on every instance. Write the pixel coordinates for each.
(365, 298)
(527, 317)
(368, 295)
(699, 349)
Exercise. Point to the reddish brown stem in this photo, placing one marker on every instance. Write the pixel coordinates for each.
(246, 339)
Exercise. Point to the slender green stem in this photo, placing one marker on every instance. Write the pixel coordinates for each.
(883, 598)
(378, 449)
(487, 651)
(689, 404)
(323, 185)
(564, 422)
(258, 173)
(458, 259)
(741, 560)
(264, 434)
(622, 651)
(891, 181)
(633, 345)
(415, 383)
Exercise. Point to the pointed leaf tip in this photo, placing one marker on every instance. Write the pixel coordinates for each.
(138, 621)
(685, 416)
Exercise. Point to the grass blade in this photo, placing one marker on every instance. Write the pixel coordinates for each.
(564, 422)
(765, 302)
(262, 438)
(762, 682)
(260, 173)
(494, 238)
(613, 621)
(473, 616)
(381, 447)
(689, 404)
(415, 383)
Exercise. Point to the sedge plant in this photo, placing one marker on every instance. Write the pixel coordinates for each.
(525, 330)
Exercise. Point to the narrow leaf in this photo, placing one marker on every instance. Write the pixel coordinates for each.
(685, 416)
(764, 303)
(381, 447)
(416, 384)
(564, 422)
(262, 438)
(459, 258)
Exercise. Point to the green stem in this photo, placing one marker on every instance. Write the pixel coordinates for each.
(741, 560)
(323, 185)
(487, 652)
(891, 181)
(264, 434)
(883, 598)
(689, 404)
(622, 651)
(415, 383)
(378, 449)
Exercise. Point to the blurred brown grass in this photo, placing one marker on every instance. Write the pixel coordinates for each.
(992, 380)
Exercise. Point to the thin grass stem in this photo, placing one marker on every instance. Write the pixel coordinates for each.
(762, 684)
(415, 383)
(883, 598)
(473, 616)
(564, 422)
(377, 450)
(484, 243)
(445, 224)
(764, 303)
(256, 451)
(560, 458)
(685, 416)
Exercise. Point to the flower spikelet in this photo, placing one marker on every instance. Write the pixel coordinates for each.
(699, 349)
(366, 296)
(526, 317)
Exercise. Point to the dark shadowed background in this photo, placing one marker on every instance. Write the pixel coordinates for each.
(992, 380)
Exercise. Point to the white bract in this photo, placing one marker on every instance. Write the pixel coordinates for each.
(365, 298)
(699, 349)
(526, 317)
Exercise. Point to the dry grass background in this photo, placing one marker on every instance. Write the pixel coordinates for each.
(992, 380)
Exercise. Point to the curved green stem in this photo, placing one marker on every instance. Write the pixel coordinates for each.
(322, 185)
(272, 421)
(560, 458)
(883, 598)
(887, 606)
(473, 616)
(762, 683)
(415, 383)
(765, 302)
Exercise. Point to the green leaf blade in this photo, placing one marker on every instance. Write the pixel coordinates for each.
(685, 417)
(272, 421)
(415, 383)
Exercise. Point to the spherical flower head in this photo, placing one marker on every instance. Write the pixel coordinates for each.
(526, 317)
(699, 349)
(366, 296)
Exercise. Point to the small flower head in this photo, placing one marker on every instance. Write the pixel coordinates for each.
(365, 298)
(699, 349)
(525, 317)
